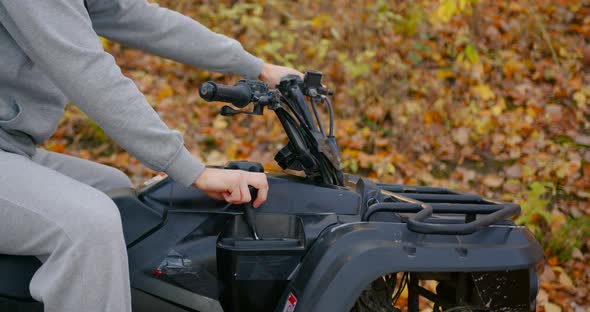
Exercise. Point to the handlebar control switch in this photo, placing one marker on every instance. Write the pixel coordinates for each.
(312, 84)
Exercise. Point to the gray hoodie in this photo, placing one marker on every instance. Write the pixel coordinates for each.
(50, 52)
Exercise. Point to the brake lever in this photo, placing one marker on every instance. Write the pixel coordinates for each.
(226, 110)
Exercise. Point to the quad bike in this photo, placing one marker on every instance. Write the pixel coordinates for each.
(323, 241)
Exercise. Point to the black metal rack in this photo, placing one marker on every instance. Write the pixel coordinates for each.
(424, 202)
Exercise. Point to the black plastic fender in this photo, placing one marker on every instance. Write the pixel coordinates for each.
(346, 258)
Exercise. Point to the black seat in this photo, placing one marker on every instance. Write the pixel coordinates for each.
(16, 273)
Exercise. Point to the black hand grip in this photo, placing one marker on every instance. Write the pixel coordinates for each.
(239, 94)
(249, 212)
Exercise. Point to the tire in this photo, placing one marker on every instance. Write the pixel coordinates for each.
(375, 298)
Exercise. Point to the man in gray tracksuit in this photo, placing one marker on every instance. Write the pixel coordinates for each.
(52, 206)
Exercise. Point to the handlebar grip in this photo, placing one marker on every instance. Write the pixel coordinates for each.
(239, 94)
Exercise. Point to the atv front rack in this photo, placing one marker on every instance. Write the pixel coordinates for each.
(424, 202)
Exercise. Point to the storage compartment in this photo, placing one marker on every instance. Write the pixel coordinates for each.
(254, 273)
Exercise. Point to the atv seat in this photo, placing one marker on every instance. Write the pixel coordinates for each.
(16, 273)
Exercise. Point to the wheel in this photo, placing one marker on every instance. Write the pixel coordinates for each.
(378, 296)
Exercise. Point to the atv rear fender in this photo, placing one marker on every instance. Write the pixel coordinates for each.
(347, 258)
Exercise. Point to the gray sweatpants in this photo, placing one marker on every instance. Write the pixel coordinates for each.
(53, 207)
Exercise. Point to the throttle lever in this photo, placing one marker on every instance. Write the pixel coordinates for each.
(249, 212)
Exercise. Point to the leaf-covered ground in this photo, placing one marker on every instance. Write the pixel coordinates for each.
(490, 97)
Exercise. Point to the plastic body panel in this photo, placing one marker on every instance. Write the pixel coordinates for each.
(329, 279)
(249, 267)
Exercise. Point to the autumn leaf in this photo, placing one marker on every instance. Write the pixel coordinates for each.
(484, 92)
(493, 181)
(165, 91)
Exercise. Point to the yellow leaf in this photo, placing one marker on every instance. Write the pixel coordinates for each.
(165, 92)
(432, 116)
(580, 98)
(442, 74)
(231, 151)
(220, 122)
(446, 9)
(484, 92)
(319, 21)
(471, 54)
(565, 281)
(499, 107)
(365, 131)
(106, 44)
(552, 307)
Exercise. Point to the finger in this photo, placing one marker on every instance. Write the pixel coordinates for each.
(215, 195)
(260, 182)
(261, 197)
(227, 196)
(234, 195)
(245, 191)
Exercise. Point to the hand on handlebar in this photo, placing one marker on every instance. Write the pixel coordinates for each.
(272, 74)
(232, 185)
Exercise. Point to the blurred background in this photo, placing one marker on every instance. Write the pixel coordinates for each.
(490, 97)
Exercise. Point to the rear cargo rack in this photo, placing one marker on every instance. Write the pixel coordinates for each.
(424, 201)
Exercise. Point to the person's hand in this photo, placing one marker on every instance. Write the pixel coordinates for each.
(232, 185)
(272, 74)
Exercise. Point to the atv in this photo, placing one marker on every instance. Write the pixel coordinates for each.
(323, 241)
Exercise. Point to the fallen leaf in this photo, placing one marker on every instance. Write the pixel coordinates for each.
(461, 135)
(432, 117)
(548, 275)
(165, 91)
(565, 281)
(582, 140)
(580, 99)
(493, 180)
(553, 261)
(220, 122)
(551, 307)
(514, 171)
(484, 92)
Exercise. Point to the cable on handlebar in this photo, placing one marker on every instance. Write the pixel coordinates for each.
(331, 109)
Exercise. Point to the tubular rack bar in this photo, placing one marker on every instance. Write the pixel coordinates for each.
(445, 198)
(437, 208)
(417, 223)
(457, 203)
(398, 188)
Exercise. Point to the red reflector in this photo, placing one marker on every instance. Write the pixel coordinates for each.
(158, 272)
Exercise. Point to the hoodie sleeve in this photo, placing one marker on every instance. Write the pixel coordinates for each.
(57, 35)
(163, 32)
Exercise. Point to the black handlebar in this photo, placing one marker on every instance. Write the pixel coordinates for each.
(308, 148)
(240, 94)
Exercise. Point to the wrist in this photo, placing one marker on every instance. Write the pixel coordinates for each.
(264, 72)
(199, 182)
